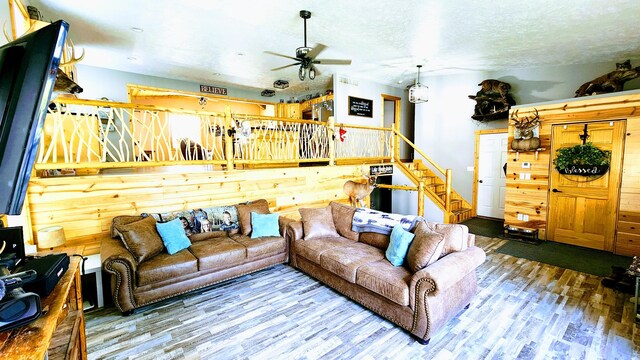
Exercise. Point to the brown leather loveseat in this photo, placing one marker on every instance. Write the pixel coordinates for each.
(213, 257)
(418, 297)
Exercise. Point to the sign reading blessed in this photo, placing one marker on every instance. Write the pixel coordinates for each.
(360, 107)
(209, 89)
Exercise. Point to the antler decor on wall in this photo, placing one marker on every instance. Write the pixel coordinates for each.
(525, 126)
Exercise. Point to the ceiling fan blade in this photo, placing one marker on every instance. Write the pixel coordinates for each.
(284, 56)
(332, 62)
(316, 51)
(284, 67)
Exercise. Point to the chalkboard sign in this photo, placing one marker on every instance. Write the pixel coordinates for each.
(360, 107)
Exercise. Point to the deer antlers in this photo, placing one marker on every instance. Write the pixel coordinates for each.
(527, 122)
(72, 55)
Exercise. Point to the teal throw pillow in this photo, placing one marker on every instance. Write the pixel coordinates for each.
(398, 245)
(264, 225)
(173, 236)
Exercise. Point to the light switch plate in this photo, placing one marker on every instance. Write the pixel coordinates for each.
(470, 168)
(527, 176)
(519, 216)
(525, 217)
(526, 165)
(521, 176)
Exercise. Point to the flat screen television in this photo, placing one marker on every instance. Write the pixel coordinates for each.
(28, 68)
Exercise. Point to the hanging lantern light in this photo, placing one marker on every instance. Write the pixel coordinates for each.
(418, 93)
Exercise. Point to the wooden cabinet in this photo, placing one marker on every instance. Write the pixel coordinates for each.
(288, 111)
(60, 331)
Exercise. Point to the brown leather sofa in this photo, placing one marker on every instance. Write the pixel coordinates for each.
(354, 264)
(212, 258)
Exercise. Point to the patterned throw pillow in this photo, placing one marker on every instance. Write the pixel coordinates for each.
(204, 220)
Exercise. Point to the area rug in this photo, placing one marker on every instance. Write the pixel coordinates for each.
(485, 227)
(576, 258)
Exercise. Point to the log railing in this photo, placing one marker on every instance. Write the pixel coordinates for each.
(98, 134)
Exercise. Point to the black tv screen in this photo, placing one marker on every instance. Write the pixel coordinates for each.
(28, 68)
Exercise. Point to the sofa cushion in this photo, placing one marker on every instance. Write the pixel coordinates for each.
(311, 249)
(165, 266)
(342, 219)
(386, 280)
(172, 235)
(141, 238)
(218, 253)
(318, 222)
(207, 235)
(425, 248)
(244, 213)
(122, 220)
(264, 225)
(262, 246)
(455, 236)
(344, 261)
(374, 239)
(398, 245)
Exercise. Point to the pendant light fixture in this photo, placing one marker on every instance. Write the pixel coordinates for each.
(418, 93)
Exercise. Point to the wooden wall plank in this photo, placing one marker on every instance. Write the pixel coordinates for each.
(530, 196)
(86, 205)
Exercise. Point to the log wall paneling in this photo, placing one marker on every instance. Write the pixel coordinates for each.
(85, 205)
(628, 227)
(530, 197)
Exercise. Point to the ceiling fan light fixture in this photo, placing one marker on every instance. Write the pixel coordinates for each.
(418, 93)
(312, 73)
(281, 84)
(301, 73)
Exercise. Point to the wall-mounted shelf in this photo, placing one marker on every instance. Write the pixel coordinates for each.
(536, 151)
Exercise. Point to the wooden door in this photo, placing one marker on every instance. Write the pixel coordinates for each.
(492, 181)
(583, 210)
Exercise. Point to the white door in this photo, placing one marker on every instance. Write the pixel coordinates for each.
(492, 155)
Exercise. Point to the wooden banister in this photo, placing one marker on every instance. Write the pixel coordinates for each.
(420, 152)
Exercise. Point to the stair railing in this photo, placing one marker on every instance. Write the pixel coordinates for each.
(447, 174)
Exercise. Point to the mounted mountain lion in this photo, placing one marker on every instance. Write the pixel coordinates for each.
(611, 82)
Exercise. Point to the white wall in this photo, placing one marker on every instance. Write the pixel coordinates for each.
(100, 82)
(445, 131)
(5, 16)
(345, 86)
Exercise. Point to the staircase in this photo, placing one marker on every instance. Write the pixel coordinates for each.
(435, 188)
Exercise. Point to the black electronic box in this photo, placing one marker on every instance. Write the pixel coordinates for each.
(50, 269)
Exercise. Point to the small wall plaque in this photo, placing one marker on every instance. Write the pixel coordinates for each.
(210, 89)
(381, 170)
(360, 107)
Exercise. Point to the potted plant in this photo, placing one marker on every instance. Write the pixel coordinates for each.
(584, 159)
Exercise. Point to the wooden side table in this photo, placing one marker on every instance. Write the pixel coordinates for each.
(60, 331)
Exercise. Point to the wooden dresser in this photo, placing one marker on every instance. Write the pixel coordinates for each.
(60, 330)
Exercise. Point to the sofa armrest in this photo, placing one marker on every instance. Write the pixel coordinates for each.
(283, 222)
(471, 240)
(444, 273)
(295, 232)
(118, 261)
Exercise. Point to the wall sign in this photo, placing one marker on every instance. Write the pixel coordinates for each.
(381, 170)
(360, 107)
(210, 89)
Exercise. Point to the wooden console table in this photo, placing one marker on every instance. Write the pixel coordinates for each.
(60, 329)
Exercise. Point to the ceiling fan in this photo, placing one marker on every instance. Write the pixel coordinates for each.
(306, 56)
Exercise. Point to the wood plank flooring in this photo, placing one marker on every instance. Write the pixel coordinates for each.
(524, 310)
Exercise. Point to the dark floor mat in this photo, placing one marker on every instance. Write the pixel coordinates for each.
(485, 227)
(576, 258)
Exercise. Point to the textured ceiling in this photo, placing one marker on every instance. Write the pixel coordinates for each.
(223, 42)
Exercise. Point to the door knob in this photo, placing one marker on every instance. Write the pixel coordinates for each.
(556, 190)
(480, 181)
